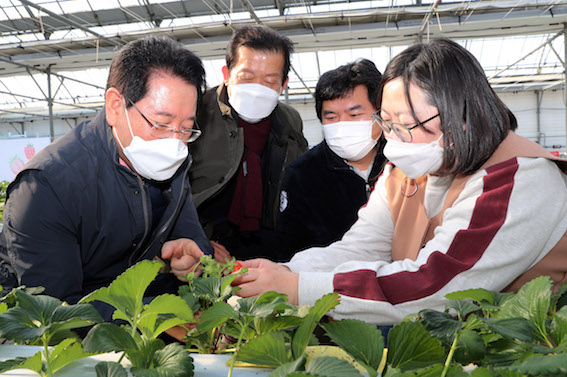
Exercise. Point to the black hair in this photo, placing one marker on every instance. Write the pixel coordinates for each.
(338, 82)
(136, 61)
(474, 120)
(260, 38)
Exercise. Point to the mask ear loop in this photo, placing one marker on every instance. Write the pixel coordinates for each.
(409, 184)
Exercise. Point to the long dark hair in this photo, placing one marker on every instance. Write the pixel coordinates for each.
(474, 120)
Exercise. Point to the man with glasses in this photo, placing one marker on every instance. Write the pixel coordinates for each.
(115, 190)
(249, 137)
(324, 188)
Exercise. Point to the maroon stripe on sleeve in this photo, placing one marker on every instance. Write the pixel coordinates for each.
(466, 249)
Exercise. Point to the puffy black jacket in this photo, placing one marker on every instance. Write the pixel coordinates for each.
(75, 218)
(320, 199)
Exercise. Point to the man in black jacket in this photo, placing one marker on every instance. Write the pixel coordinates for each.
(323, 189)
(116, 190)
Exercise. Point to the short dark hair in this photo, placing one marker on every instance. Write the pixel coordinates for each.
(135, 62)
(474, 120)
(260, 38)
(338, 82)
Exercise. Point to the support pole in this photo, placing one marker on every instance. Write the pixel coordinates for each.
(50, 105)
(565, 78)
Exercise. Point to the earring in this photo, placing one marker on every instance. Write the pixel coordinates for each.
(411, 182)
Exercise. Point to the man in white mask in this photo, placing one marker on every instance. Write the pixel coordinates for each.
(323, 189)
(248, 139)
(114, 190)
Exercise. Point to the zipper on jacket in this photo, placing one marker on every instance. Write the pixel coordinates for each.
(167, 224)
(145, 210)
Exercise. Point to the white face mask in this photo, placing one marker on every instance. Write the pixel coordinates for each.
(156, 159)
(253, 102)
(415, 159)
(350, 140)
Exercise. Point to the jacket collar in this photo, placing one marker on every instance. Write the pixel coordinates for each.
(222, 100)
(334, 162)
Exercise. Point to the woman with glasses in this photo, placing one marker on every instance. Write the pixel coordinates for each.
(465, 203)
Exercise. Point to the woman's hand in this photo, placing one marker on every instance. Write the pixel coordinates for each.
(263, 276)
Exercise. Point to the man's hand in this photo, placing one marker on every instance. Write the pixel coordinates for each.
(263, 276)
(221, 253)
(184, 255)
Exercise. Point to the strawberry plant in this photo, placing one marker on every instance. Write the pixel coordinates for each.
(43, 320)
(3, 188)
(138, 339)
(201, 293)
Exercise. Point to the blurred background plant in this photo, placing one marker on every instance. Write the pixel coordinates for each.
(3, 187)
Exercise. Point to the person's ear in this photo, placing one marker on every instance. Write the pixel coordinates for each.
(225, 74)
(114, 106)
(284, 84)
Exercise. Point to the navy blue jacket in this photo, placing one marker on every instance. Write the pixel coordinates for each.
(75, 218)
(320, 198)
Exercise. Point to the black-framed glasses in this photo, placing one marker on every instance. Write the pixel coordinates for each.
(401, 130)
(165, 131)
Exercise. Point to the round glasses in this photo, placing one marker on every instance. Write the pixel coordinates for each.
(165, 131)
(401, 130)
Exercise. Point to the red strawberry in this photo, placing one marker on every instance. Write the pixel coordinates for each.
(16, 164)
(237, 266)
(29, 151)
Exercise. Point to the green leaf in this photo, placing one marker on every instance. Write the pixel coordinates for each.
(3, 307)
(549, 365)
(463, 308)
(32, 363)
(264, 305)
(304, 331)
(215, 316)
(559, 326)
(478, 295)
(559, 298)
(65, 353)
(18, 325)
(470, 347)
(327, 366)
(164, 304)
(363, 341)
(67, 317)
(125, 293)
(410, 346)
(440, 324)
(171, 361)
(435, 371)
(513, 328)
(107, 337)
(273, 323)
(143, 356)
(110, 369)
(39, 307)
(268, 349)
(190, 298)
(288, 369)
(531, 302)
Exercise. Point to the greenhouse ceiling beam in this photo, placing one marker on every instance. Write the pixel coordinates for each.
(528, 54)
(38, 23)
(250, 8)
(259, 22)
(42, 70)
(44, 100)
(71, 22)
(426, 20)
